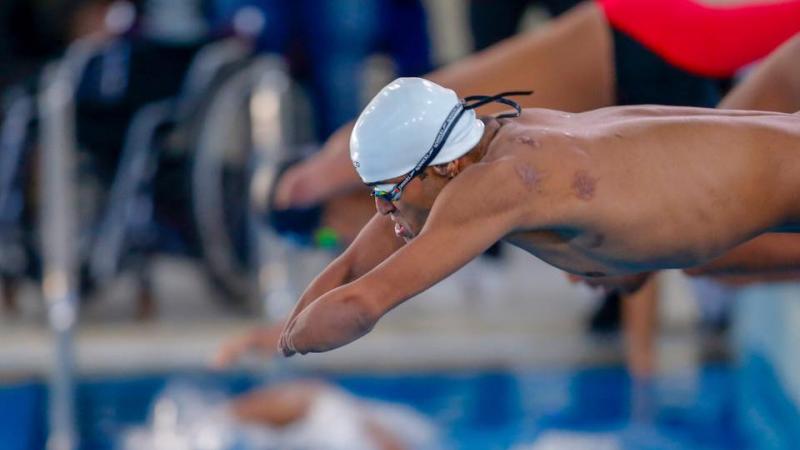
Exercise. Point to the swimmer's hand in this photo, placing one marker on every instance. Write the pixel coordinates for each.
(262, 341)
(299, 187)
(624, 284)
(321, 176)
(335, 319)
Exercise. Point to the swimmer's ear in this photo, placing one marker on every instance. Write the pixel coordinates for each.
(448, 170)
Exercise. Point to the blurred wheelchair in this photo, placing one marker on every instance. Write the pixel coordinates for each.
(180, 182)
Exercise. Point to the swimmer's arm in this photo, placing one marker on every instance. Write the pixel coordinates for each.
(322, 175)
(451, 237)
(768, 254)
(374, 243)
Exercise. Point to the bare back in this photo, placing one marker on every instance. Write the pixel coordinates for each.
(628, 189)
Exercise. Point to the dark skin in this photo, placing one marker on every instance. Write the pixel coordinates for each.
(611, 192)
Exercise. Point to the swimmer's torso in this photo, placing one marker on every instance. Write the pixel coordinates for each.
(622, 190)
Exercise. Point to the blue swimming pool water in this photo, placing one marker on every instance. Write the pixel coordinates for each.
(476, 410)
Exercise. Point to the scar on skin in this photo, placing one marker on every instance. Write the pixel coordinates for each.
(584, 185)
(527, 174)
(618, 135)
(527, 140)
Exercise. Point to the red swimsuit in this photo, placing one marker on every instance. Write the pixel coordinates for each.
(713, 41)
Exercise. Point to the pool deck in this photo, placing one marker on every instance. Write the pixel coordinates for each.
(519, 313)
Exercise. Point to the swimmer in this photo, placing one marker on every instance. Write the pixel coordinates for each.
(313, 408)
(606, 193)
(773, 86)
(294, 414)
(315, 414)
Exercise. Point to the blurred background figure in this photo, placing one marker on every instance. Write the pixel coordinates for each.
(328, 45)
(295, 414)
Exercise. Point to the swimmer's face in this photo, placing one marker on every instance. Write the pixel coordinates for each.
(411, 211)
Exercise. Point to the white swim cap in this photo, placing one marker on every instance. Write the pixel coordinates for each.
(400, 124)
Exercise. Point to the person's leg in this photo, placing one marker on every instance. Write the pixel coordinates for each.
(568, 62)
(773, 86)
(146, 306)
(8, 289)
(639, 323)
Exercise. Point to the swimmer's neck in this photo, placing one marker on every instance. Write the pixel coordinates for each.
(491, 127)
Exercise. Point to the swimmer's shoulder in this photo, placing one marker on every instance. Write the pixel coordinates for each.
(532, 136)
(505, 177)
(509, 187)
(515, 135)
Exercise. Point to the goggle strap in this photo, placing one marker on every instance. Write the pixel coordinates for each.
(441, 138)
(480, 100)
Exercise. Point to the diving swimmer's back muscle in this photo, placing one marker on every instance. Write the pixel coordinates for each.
(622, 190)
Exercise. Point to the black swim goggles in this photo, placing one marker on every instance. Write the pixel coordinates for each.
(392, 193)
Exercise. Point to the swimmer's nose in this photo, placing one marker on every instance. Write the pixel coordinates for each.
(384, 207)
